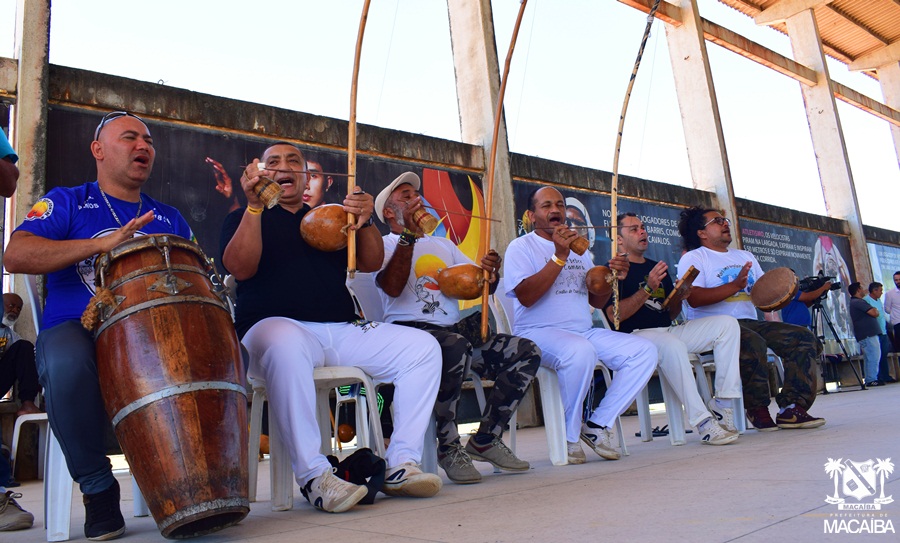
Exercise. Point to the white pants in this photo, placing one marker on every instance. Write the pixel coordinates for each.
(574, 357)
(720, 334)
(284, 352)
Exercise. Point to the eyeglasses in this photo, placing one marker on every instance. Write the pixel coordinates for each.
(112, 115)
(721, 221)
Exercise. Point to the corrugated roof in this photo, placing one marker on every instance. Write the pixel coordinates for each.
(849, 28)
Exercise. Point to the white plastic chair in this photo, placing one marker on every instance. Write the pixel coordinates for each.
(281, 473)
(57, 479)
(548, 383)
(703, 363)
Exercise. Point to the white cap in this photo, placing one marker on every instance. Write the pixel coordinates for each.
(408, 178)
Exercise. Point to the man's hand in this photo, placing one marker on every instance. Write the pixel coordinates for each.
(223, 180)
(411, 207)
(125, 233)
(490, 262)
(620, 265)
(360, 204)
(562, 237)
(657, 274)
(249, 179)
(741, 280)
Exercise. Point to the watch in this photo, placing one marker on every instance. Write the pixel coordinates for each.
(646, 288)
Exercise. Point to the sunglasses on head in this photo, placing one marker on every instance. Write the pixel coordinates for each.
(112, 115)
(721, 221)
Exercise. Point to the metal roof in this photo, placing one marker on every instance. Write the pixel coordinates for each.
(850, 30)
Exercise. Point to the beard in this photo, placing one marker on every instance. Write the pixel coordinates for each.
(9, 321)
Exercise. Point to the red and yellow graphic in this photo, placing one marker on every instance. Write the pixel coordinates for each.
(40, 210)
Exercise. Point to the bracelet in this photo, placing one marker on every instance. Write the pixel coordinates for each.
(368, 223)
(255, 210)
(407, 238)
(558, 261)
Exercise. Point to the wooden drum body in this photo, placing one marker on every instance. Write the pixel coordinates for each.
(170, 371)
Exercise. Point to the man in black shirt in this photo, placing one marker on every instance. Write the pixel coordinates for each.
(294, 314)
(641, 296)
(866, 329)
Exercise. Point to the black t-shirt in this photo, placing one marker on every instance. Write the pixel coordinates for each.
(645, 317)
(293, 279)
(864, 325)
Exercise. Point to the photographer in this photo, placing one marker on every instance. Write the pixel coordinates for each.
(811, 289)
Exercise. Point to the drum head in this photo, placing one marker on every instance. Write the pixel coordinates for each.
(775, 289)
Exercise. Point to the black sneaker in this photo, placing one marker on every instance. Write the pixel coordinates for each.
(102, 517)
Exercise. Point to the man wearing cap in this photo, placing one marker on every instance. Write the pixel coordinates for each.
(60, 237)
(294, 314)
(411, 297)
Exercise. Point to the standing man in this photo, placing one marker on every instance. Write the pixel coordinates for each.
(410, 297)
(12, 516)
(641, 295)
(61, 236)
(874, 299)
(723, 288)
(553, 309)
(892, 308)
(294, 314)
(866, 331)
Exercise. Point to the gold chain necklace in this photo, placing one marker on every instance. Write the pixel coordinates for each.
(111, 210)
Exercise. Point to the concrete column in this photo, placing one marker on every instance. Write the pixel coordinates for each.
(828, 138)
(477, 90)
(700, 111)
(889, 75)
(28, 119)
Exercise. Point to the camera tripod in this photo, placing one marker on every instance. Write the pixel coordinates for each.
(818, 310)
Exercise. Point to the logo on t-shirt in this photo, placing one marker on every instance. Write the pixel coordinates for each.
(40, 210)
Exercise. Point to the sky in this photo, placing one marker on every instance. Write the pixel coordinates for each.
(566, 85)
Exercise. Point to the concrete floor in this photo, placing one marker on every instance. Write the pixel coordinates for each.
(766, 487)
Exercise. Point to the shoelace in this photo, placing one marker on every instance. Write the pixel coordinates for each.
(458, 456)
(10, 499)
(330, 485)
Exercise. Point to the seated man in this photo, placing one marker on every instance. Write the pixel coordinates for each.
(294, 314)
(723, 288)
(17, 359)
(553, 309)
(61, 237)
(410, 297)
(641, 295)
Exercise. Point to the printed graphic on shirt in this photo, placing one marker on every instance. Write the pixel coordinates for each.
(426, 287)
(85, 268)
(572, 281)
(40, 210)
(728, 274)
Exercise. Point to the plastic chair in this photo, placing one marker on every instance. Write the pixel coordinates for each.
(281, 473)
(57, 479)
(548, 383)
(704, 365)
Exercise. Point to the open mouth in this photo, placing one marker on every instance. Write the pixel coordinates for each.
(142, 159)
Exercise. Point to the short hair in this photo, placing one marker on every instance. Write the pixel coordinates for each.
(873, 285)
(854, 288)
(531, 197)
(897, 272)
(621, 216)
(690, 221)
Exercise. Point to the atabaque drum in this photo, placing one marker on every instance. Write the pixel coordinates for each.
(775, 289)
(170, 372)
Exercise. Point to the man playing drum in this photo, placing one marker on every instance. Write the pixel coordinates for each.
(61, 237)
(553, 309)
(723, 288)
(641, 296)
(294, 313)
(411, 296)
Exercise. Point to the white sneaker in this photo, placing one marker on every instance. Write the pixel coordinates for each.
(332, 494)
(600, 439)
(724, 415)
(575, 453)
(713, 434)
(408, 480)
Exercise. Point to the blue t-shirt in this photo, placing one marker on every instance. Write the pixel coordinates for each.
(797, 312)
(6, 150)
(67, 213)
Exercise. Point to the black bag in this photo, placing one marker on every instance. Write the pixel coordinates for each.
(363, 467)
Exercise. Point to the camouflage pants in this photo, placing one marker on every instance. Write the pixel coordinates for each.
(510, 361)
(798, 349)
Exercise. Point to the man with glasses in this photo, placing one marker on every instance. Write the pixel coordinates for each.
(60, 237)
(641, 296)
(723, 288)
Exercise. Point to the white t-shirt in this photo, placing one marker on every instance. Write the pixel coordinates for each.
(565, 304)
(421, 299)
(717, 269)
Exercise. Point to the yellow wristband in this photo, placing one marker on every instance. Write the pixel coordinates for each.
(558, 261)
(254, 210)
